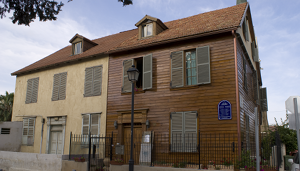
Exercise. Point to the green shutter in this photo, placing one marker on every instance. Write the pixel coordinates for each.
(97, 80)
(35, 87)
(56, 82)
(147, 72)
(62, 86)
(126, 83)
(263, 99)
(177, 69)
(176, 131)
(29, 91)
(203, 65)
(190, 131)
(88, 83)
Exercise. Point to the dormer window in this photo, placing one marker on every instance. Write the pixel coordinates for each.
(147, 30)
(150, 26)
(81, 44)
(77, 48)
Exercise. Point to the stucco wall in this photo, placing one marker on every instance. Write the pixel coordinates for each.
(17, 161)
(73, 106)
(12, 141)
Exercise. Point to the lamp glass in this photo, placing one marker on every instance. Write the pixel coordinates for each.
(133, 74)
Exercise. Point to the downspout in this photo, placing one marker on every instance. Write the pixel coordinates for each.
(237, 92)
(43, 122)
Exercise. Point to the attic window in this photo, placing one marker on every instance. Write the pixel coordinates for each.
(77, 48)
(147, 30)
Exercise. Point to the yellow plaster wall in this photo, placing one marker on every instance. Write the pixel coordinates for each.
(73, 106)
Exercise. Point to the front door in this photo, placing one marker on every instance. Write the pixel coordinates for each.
(56, 139)
(137, 138)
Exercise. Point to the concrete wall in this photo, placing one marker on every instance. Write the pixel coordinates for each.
(17, 161)
(12, 141)
(73, 106)
(72, 165)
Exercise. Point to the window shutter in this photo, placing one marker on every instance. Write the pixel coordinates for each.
(245, 30)
(29, 91)
(190, 131)
(126, 83)
(203, 65)
(255, 85)
(56, 80)
(25, 131)
(176, 131)
(177, 69)
(88, 84)
(147, 72)
(31, 123)
(94, 124)
(62, 87)
(263, 100)
(97, 80)
(253, 50)
(35, 87)
(245, 73)
(85, 124)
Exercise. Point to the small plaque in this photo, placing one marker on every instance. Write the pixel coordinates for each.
(224, 110)
(119, 149)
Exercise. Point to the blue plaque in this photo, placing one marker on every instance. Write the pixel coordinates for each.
(224, 110)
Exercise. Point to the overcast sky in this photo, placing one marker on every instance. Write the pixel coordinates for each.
(276, 25)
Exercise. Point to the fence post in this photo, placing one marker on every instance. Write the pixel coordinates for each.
(89, 157)
(111, 145)
(151, 150)
(199, 149)
(70, 145)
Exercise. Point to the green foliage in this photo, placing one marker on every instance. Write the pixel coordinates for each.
(287, 136)
(26, 11)
(6, 104)
(226, 162)
(179, 164)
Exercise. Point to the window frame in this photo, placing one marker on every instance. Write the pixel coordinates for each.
(33, 132)
(85, 137)
(185, 77)
(183, 132)
(145, 26)
(76, 52)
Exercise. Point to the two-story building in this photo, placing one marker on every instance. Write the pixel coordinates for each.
(62, 93)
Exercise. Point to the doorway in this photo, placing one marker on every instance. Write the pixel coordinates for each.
(137, 138)
(56, 140)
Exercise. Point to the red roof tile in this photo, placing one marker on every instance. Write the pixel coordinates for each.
(227, 18)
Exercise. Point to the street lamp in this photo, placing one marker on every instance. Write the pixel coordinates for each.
(133, 75)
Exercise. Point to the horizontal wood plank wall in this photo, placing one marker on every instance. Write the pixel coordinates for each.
(161, 100)
(247, 95)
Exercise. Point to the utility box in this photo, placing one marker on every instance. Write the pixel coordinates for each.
(287, 165)
(119, 149)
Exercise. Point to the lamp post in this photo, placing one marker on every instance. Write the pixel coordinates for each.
(133, 75)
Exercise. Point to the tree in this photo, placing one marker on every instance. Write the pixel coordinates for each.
(25, 11)
(6, 105)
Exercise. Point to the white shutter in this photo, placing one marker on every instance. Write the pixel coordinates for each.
(25, 131)
(190, 131)
(147, 72)
(176, 131)
(85, 124)
(177, 69)
(126, 83)
(95, 124)
(30, 138)
(203, 65)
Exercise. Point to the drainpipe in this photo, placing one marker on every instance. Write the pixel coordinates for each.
(237, 92)
(43, 122)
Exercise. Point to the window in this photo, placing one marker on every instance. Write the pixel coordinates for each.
(245, 30)
(93, 81)
(32, 90)
(28, 131)
(184, 131)
(77, 48)
(90, 122)
(144, 65)
(59, 86)
(147, 30)
(245, 73)
(196, 70)
(5, 130)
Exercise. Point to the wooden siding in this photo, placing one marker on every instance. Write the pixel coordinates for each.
(247, 95)
(161, 100)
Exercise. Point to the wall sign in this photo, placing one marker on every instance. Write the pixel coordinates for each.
(224, 110)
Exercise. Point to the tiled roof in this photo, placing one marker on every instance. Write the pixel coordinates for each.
(227, 18)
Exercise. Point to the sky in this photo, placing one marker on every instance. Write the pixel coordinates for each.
(276, 24)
